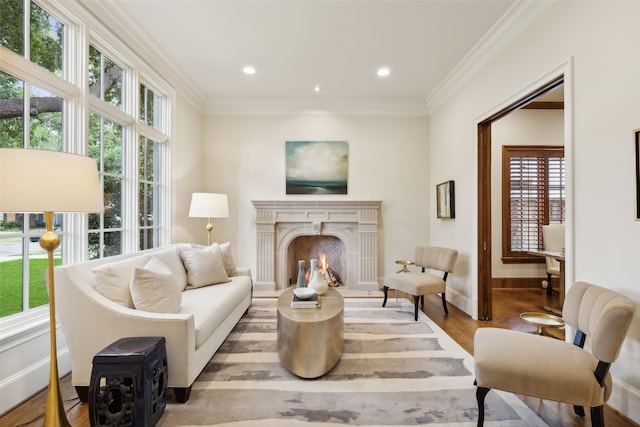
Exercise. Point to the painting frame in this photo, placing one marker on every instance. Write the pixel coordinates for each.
(316, 167)
(445, 200)
(636, 134)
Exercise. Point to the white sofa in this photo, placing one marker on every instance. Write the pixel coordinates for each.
(194, 332)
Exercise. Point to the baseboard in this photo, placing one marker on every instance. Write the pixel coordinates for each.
(522, 282)
(626, 400)
(461, 301)
(31, 380)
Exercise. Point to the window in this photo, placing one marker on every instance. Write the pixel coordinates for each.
(533, 194)
(105, 146)
(125, 116)
(105, 78)
(148, 198)
(151, 155)
(31, 116)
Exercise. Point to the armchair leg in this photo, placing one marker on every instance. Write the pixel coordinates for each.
(579, 410)
(597, 416)
(444, 304)
(416, 300)
(385, 290)
(481, 393)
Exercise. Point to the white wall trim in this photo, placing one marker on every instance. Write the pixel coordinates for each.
(314, 107)
(512, 23)
(625, 399)
(111, 16)
(33, 378)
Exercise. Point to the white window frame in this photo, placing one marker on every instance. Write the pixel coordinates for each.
(81, 30)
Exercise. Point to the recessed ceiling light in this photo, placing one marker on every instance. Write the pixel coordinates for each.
(316, 88)
(249, 70)
(383, 72)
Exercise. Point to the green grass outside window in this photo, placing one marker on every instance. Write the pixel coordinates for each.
(11, 285)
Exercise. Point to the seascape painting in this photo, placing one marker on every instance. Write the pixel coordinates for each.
(317, 167)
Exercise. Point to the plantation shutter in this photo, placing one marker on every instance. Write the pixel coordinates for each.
(533, 195)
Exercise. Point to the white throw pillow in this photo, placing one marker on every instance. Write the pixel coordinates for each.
(171, 257)
(227, 259)
(154, 289)
(204, 266)
(112, 280)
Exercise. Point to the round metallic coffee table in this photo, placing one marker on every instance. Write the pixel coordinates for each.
(310, 340)
(542, 321)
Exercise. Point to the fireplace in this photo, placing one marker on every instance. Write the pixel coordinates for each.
(351, 228)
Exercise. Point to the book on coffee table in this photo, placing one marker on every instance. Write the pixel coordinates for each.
(311, 302)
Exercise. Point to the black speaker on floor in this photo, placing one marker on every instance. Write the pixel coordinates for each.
(129, 383)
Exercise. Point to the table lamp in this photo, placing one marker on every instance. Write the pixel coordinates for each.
(209, 205)
(35, 181)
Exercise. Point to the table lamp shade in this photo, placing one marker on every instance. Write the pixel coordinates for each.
(209, 205)
(34, 181)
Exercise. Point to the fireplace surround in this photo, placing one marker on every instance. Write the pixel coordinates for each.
(279, 222)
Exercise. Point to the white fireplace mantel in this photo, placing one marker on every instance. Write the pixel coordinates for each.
(353, 222)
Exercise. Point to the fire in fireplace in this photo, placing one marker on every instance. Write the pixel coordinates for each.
(329, 248)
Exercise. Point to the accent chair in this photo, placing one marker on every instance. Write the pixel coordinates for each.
(426, 282)
(548, 368)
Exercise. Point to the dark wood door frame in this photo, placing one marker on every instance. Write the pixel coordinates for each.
(484, 195)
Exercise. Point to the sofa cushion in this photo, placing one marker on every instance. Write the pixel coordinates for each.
(227, 259)
(112, 279)
(153, 288)
(211, 305)
(171, 257)
(204, 266)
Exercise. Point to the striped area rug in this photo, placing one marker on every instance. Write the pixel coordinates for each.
(393, 372)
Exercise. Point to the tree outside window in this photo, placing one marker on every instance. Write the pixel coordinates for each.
(31, 116)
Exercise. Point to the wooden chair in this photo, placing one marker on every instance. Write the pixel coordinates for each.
(519, 362)
(420, 284)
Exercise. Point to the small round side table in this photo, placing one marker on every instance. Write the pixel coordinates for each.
(542, 321)
(404, 265)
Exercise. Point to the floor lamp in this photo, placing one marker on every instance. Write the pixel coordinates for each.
(38, 181)
(209, 205)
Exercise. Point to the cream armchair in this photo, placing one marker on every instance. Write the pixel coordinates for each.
(518, 362)
(552, 240)
(427, 282)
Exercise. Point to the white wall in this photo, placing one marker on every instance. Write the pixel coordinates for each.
(388, 161)
(522, 127)
(186, 171)
(603, 244)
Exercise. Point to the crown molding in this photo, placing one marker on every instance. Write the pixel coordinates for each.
(511, 24)
(346, 107)
(120, 25)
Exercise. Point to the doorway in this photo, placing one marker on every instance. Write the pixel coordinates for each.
(484, 248)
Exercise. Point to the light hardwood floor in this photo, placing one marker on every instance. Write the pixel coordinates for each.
(507, 305)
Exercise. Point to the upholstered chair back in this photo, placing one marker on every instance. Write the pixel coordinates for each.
(553, 240)
(602, 314)
(436, 258)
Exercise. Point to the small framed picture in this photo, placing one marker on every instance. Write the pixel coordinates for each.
(637, 144)
(445, 200)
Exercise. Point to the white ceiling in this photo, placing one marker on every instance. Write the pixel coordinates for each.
(297, 44)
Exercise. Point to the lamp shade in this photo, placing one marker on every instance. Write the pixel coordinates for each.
(209, 205)
(41, 181)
